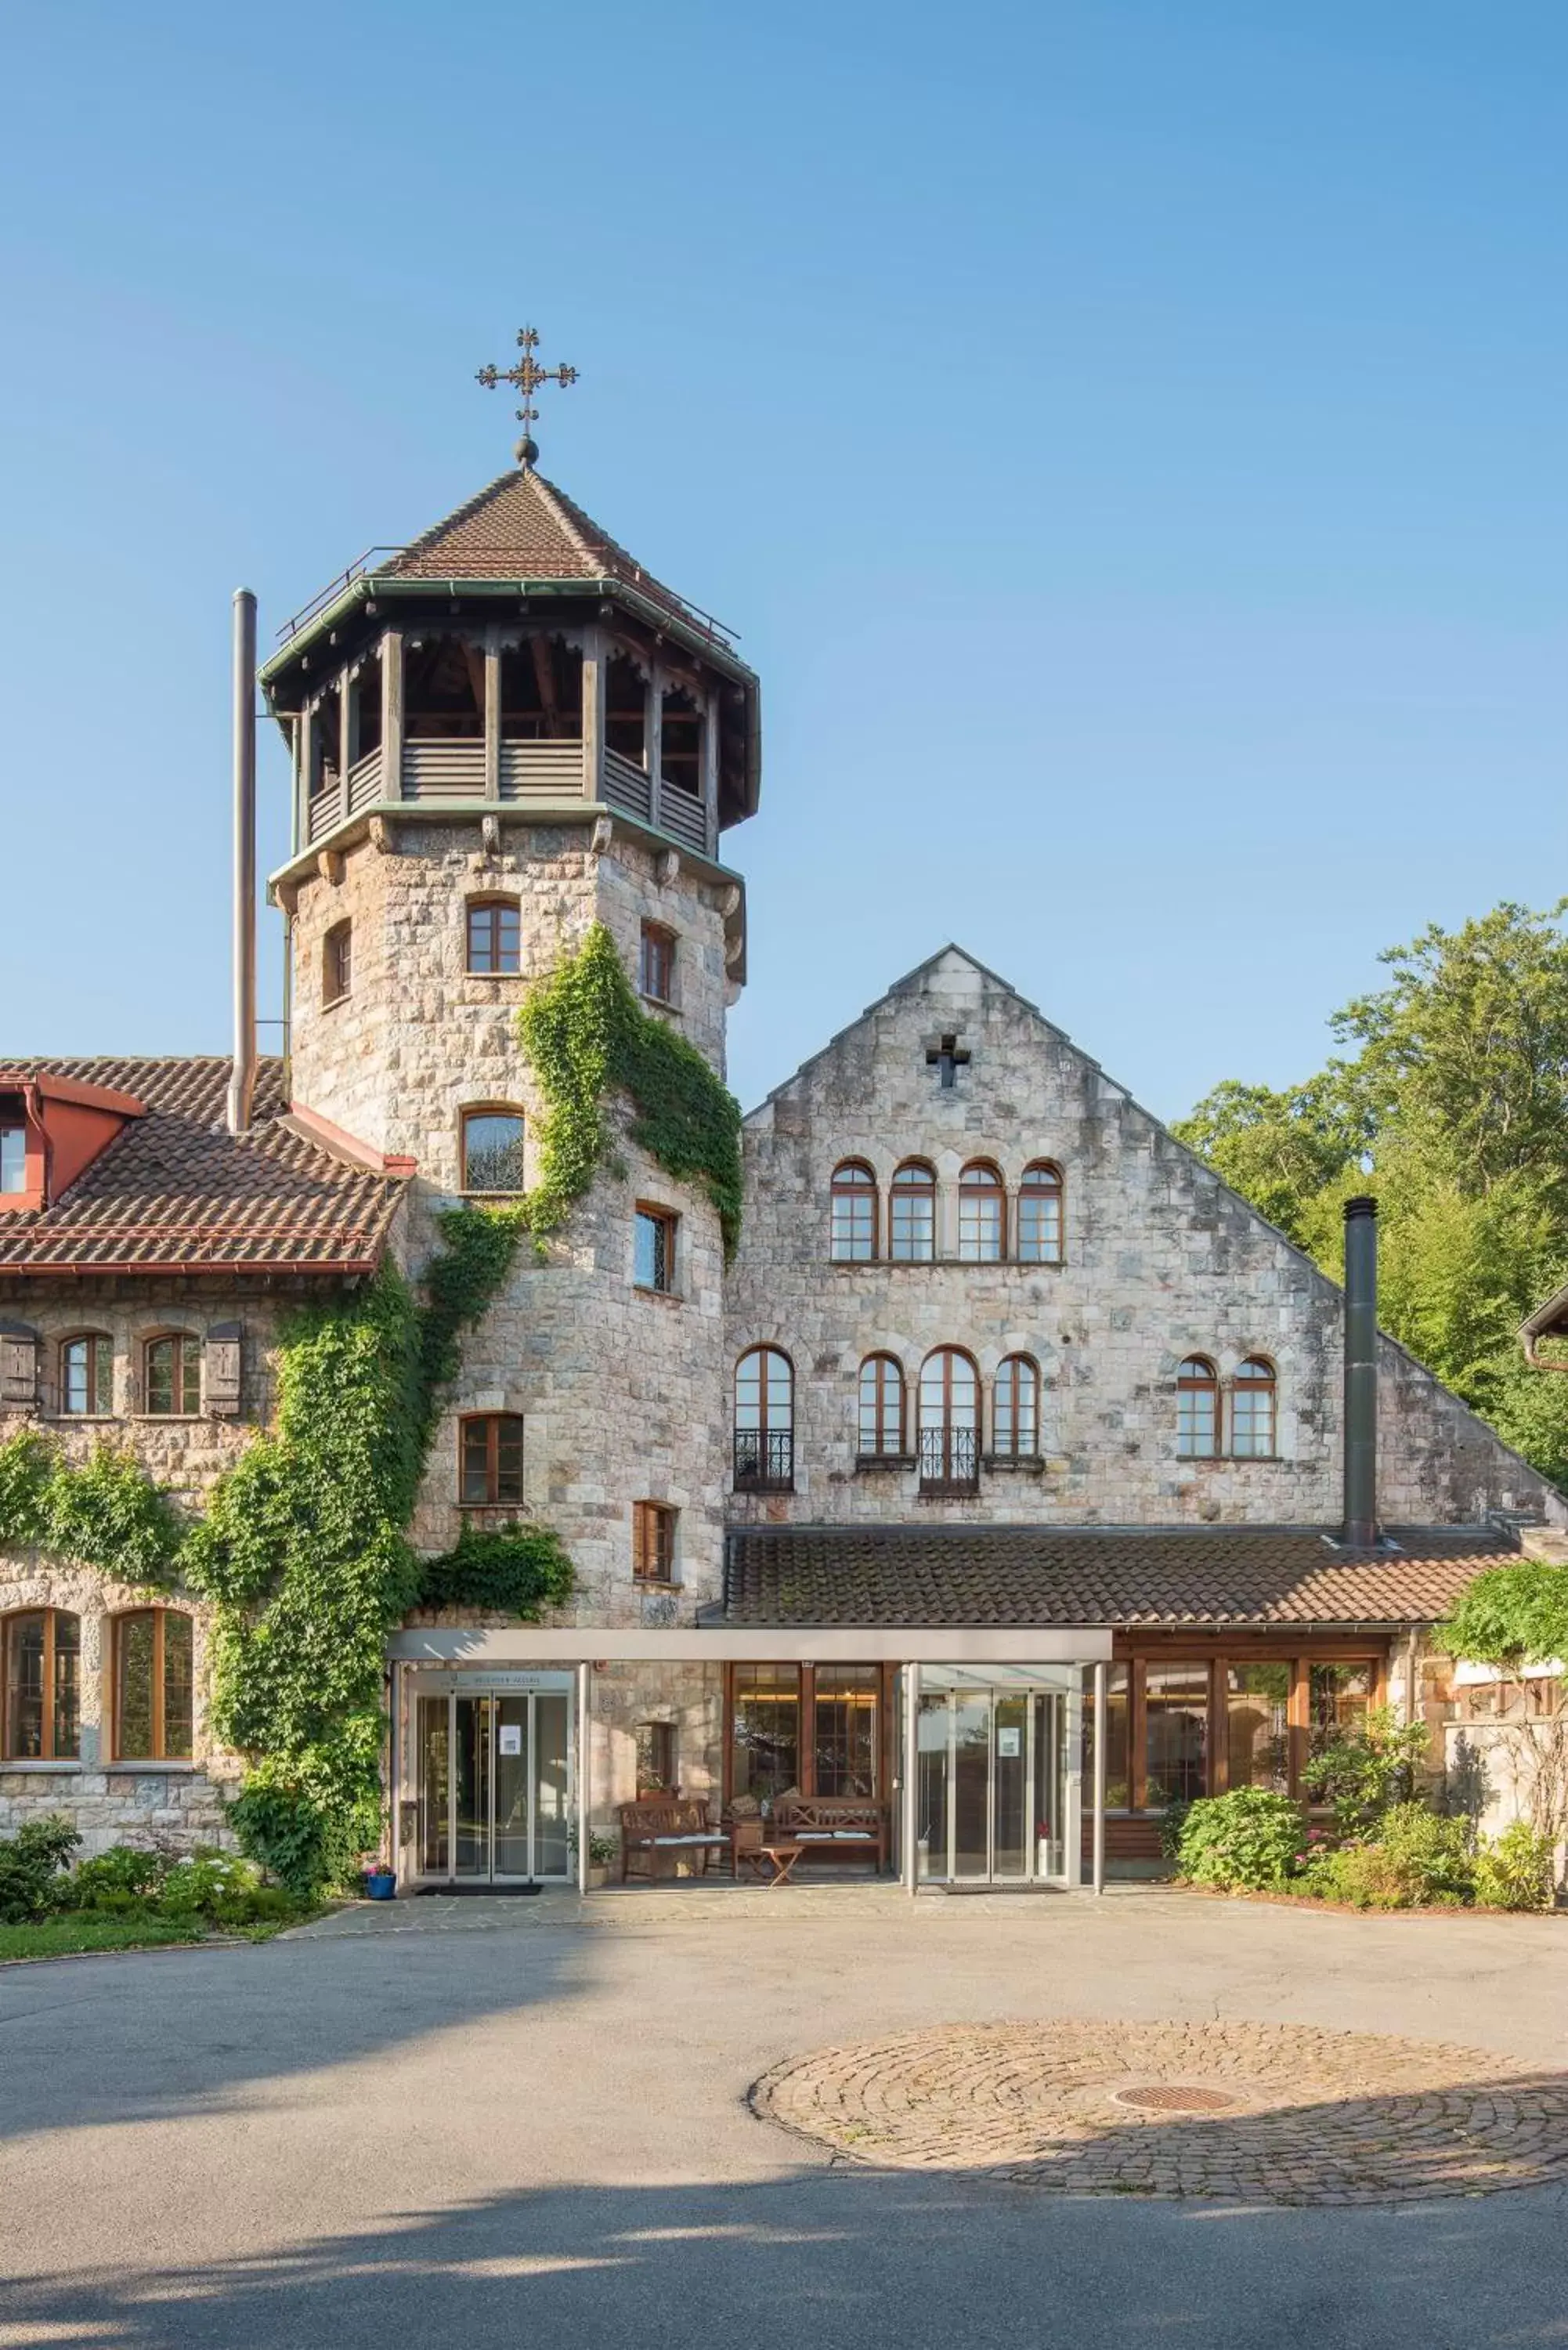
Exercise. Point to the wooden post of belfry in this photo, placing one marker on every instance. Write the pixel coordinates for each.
(711, 775)
(307, 770)
(492, 715)
(655, 743)
(593, 665)
(392, 714)
(348, 736)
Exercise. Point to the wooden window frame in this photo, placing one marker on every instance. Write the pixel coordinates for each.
(1050, 1188)
(99, 1364)
(492, 1423)
(855, 1183)
(8, 1751)
(337, 963)
(667, 1219)
(913, 1178)
(1253, 1377)
(470, 1111)
(1207, 1383)
(885, 1755)
(1216, 1653)
(953, 1478)
(489, 908)
(160, 1680)
(888, 1374)
(656, 950)
(773, 1431)
(180, 1408)
(663, 1735)
(654, 1528)
(982, 1180)
(1025, 1375)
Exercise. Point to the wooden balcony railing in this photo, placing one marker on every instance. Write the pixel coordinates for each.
(437, 768)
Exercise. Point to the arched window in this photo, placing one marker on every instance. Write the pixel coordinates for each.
(337, 962)
(1196, 1410)
(87, 1377)
(913, 1214)
(490, 1459)
(881, 1408)
(492, 1150)
(983, 1215)
(1015, 1417)
(764, 1422)
(154, 1678)
(42, 1665)
(854, 1212)
(1040, 1215)
(949, 1414)
(1252, 1411)
(172, 1376)
(495, 936)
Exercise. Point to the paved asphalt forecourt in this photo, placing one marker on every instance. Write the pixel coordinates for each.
(528, 2123)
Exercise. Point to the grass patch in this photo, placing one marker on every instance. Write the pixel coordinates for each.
(59, 1937)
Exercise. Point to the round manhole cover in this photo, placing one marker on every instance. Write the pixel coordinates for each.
(1173, 2097)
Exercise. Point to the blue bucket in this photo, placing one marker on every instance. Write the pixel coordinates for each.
(380, 1884)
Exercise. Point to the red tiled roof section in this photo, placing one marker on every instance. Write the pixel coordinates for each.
(1021, 1576)
(521, 526)
(175, 1189)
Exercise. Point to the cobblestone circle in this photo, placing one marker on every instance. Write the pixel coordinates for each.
(1314, 2117)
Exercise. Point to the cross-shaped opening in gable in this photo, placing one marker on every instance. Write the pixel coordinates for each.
(947, 1056)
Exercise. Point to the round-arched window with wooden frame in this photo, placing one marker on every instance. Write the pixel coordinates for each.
(154, 1685)
(1196, 1410)
(881, 1430)
(40, 1682)
(172, 1375)
(1252, 1414)
(493, 940)
(1016, 1409)
(764, 1422)
(1040, 1215)
(950, 1422)
(86, 1376)
(853, 1230)
(912, 1213)
(983, 1215)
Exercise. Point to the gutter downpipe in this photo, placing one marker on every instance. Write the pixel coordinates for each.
(1360, 1528)
(241, 1083)
(1101, 1711)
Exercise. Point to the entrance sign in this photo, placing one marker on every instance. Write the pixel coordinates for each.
(510, 1737)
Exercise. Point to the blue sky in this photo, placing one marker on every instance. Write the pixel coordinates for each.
(1129, 439)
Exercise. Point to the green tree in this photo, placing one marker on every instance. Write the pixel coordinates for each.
(1448, 1100)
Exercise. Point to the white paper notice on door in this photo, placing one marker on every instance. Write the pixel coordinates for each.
(509, 1738)
(1006, 1740)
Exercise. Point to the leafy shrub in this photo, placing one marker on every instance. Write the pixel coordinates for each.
(1414, 1860)
(1172, 1821)
(519, 1569)
(1514, 1870)
(32, 1863)
(1362, 1771)
(1247, 1841)
(125, 1877)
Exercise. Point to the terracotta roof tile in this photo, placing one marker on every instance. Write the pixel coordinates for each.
(521, 526)
(1021, 1576)
(175, 1188)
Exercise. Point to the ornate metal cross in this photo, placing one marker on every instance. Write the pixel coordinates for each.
(527, 376)
(949, 1058)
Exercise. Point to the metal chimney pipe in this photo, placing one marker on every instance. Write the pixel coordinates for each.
(241, 1081)
(1360, 1371)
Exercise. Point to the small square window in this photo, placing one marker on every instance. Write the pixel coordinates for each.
(490, 1468)
(13, 1157)
(654, 1264)
(656, 964)
(337, 962)
(653, 1541)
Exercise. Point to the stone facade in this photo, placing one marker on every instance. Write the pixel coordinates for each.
(1160, 1261)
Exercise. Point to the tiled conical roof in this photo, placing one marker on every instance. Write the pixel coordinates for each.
(521, 526)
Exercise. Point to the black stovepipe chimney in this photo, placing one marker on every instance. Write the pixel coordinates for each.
(1360, 1371)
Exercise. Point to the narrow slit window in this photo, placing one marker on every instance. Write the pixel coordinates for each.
(881, 1408)
(87, 1377)
(653, 1541)
(1016, 1431)
(337, 962)
(655, 963)
(654, 1249)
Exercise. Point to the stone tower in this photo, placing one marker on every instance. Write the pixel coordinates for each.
(500, 734)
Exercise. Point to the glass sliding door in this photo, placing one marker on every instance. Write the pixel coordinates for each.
(991, 1783)
(496, 1784)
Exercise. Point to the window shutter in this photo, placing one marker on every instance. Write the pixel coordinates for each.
(221, 1370)
(19, 1366)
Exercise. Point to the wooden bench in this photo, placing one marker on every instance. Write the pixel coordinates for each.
(666, 1827)
(833, 1823)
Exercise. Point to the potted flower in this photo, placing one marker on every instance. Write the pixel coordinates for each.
(603, 1852)
(380, 1881)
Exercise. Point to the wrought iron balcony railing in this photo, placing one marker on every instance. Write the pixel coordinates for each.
(765, 1460)
(949, 1461)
